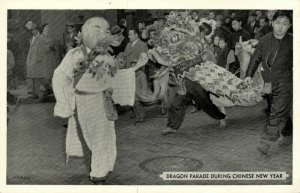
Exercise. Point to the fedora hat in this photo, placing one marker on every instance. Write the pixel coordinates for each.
(28, 25)
(116, 30)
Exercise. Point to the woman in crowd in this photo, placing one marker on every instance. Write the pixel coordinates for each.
(224, 55)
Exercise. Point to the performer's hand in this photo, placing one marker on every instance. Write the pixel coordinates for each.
(109, 90)
(150, 56)
(248, 80)
(143, 59)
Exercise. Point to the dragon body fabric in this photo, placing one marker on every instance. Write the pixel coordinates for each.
(179, 45)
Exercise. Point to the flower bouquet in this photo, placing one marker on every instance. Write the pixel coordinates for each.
(97, 62)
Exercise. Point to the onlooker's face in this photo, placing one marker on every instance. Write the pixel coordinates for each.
(161, 22)
(281, 25)
(233, 14)
(46, 29)
(258, 13)
(227, 20)
(216, 40)
(132, 35)
(194, 15)
(236, 25)
(219, 17)
(262, 22)
(125, 22)
(140, 26)
(211, 15)
(222, 44)
(251, 18)
(218, 23)
(270, 14)
(70, 30)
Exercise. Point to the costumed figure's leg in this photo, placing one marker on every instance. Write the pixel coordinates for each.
(176, 113)
(74, 139)
(98, 133)
(164, 102)
(201, 97)
(222, 121)
(279, 116)
(194, 108)
(139, 111)
(286, 134)
(161, 85)
(143, 95)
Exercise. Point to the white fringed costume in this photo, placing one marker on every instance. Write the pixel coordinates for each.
(98, 131)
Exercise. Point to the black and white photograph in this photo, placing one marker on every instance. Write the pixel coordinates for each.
(149, 96)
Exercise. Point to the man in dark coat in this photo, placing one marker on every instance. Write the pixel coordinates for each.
(123, 25)
(268, 27)
(275, 51)
(252, 25)
(238, 32)
(131, 54)
(69, 37)
(221, 29)
(117, 31)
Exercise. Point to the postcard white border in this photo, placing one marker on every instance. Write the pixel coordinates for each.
(150, 4)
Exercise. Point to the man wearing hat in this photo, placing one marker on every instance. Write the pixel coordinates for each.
(122, 41)
(69, 37)
(34, 66)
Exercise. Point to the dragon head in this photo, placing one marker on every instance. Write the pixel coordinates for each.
(179, 39)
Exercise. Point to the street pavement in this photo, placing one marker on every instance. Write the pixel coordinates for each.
(36, 148)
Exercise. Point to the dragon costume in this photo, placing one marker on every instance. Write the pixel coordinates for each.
(180, 46)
